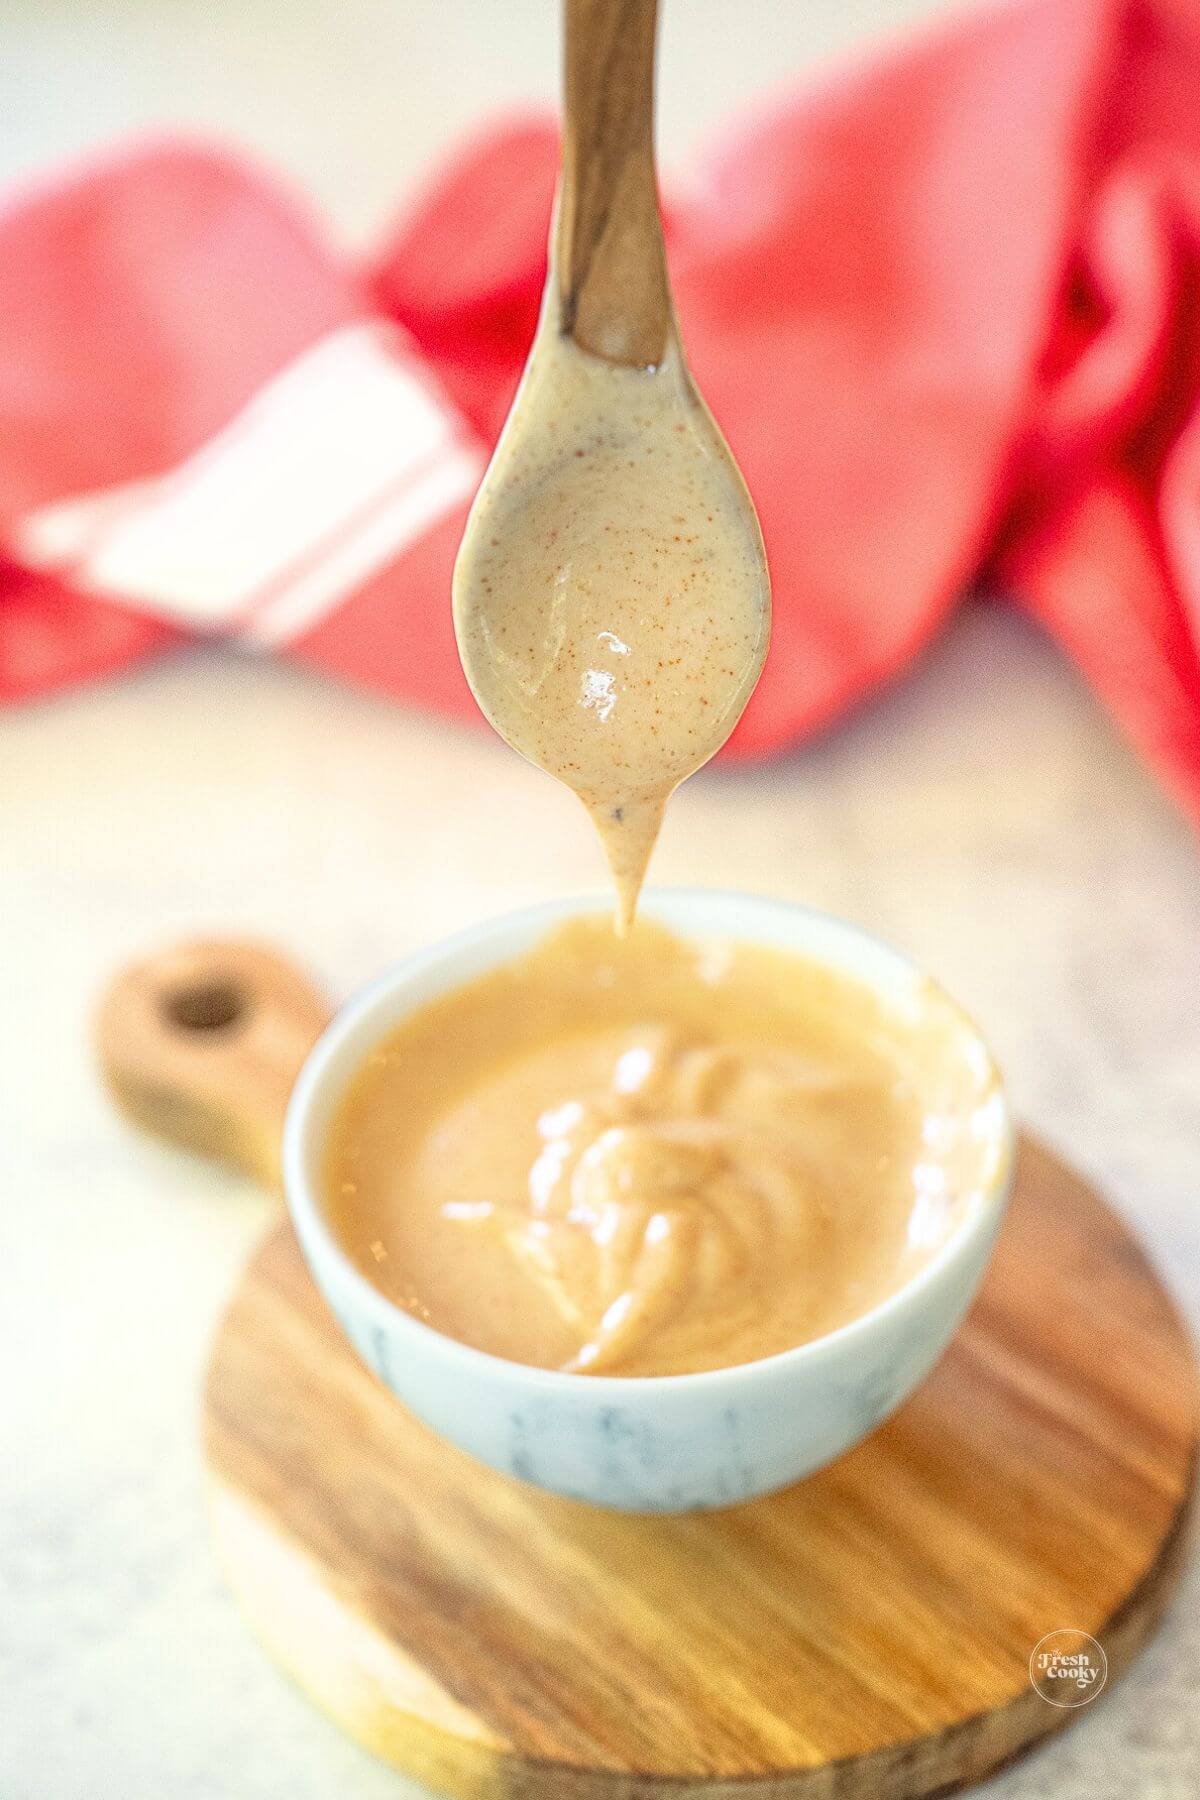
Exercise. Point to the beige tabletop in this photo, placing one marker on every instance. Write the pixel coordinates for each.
(984, 815)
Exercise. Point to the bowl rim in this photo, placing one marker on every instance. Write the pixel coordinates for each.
(321, 1247)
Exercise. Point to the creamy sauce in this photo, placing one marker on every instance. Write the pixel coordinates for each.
(648, 1156)
(611, 597)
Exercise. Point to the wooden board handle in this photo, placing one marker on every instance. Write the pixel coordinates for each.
(614, 296)
(201, 1045)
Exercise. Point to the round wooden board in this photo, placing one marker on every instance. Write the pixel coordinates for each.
(867, 1632)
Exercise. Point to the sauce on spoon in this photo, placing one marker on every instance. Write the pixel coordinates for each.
(611, 596)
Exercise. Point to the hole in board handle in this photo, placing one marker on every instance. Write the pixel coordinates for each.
(206, 1006)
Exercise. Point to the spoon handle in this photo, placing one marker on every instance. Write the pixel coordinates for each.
(610, 262)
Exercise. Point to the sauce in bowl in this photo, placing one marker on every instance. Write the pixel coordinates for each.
(656, 1155)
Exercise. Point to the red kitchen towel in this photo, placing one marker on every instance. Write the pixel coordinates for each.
(946, 310)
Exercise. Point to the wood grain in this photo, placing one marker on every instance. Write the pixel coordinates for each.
(866, 1632)
(609, 258)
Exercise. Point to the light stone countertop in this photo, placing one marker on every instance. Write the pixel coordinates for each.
(983, 815)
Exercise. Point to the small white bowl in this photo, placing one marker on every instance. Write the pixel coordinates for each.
(641, 1443)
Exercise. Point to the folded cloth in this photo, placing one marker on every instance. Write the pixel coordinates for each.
(945, 310)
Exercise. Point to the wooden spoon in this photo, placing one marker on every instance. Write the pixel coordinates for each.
(611, 598)
(609, 258)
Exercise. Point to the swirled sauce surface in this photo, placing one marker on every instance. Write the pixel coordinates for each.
(649, 1156)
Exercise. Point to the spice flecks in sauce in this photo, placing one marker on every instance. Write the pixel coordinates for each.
(611, 597)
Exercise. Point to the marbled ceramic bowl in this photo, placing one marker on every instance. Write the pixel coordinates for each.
(645, 1443)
